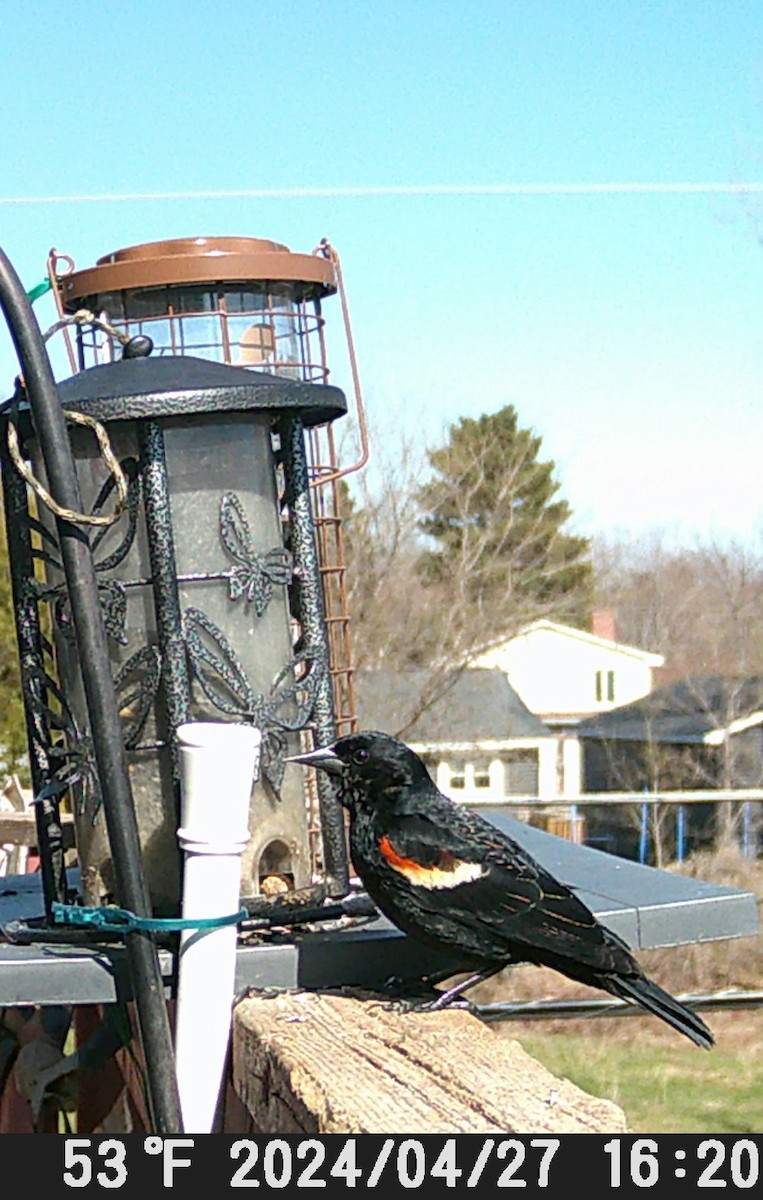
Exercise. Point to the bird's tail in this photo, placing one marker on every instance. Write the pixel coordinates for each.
(653, 998)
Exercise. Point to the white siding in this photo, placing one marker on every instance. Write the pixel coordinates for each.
(456, 772)
(554, 671)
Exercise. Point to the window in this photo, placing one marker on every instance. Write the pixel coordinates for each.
(520, 773)
(605, 685)
(462, 775)
(457, 771)
(482, 773)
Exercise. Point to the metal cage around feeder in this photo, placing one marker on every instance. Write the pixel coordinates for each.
(221, 581)
(249, 302)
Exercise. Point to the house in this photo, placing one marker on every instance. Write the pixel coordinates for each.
(565, 675)
(701, 733)
(470, 727)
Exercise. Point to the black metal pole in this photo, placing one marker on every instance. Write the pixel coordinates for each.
(92, 646)
(311, 612)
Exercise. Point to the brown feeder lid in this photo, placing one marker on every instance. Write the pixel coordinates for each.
(183, 261)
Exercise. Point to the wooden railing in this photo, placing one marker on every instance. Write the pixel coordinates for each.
(749, 800)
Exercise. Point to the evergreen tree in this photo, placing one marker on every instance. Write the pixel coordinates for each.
(497, 526)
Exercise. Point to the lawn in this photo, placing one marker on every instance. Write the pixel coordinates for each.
(662, 1085)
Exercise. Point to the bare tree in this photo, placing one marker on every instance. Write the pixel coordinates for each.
(702, 607)
(398, 622)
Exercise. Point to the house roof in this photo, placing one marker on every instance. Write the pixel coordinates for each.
(716, 736)
(473, 705)
(682, 712)
(581, 635)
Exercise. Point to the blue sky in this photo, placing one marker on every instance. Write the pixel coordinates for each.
(626, 327)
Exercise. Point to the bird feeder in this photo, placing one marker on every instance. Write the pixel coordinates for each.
(247, 302)
(242, 301)
(200, 366)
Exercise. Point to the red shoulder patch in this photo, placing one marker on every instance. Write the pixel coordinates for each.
(447, 873)
(397, 860)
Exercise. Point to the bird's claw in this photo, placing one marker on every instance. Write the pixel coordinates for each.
(423, 1005)
(418, 995)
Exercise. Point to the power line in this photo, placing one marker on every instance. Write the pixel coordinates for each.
(744, 187)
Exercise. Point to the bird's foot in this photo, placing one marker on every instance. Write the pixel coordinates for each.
(418, 995)
(405, 995)
(423, 1005)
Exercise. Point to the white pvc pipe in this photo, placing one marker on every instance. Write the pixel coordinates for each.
(218, 765)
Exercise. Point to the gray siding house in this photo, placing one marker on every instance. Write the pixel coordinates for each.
(478, 739)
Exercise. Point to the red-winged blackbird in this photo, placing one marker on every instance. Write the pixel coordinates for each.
(452, 880)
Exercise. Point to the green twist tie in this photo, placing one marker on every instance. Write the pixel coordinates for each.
(40, 290)
(121, 920)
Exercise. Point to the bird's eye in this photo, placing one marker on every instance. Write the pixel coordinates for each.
(360, 756)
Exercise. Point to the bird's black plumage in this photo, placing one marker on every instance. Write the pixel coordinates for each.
(452, 880)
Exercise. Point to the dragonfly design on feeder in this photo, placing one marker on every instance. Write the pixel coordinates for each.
(258, 573)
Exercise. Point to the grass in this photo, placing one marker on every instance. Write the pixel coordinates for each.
(661, 1085)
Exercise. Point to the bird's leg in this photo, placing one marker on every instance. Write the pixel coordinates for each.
(442, 999)
(446, 998)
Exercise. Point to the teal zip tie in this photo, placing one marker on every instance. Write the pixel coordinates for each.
(121, 920)
(35, 292)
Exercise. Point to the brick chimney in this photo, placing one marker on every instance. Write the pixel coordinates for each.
(603, 624)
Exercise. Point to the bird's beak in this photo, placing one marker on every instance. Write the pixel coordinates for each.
(324, 759)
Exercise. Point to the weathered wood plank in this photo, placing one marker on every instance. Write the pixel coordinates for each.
(305, 1062)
